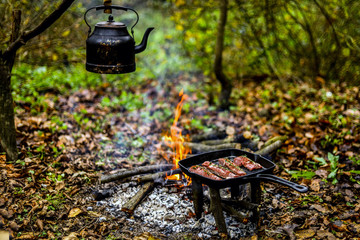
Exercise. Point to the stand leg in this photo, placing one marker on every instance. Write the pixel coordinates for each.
(198, 198)
(235, 192)
(216, 209)
(256, 198)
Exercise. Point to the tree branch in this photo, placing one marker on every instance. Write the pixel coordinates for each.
(48, 21)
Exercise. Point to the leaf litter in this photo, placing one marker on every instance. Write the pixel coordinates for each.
(47, 193)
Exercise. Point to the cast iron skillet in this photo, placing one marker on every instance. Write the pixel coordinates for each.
(263, 174)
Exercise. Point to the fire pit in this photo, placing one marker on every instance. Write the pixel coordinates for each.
(168, 210)
(171, 206)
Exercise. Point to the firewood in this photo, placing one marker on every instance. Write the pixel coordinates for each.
(218, 141)
(208, 136)
(270, 148)
(199, 148)
(130, 206)
(157, 176)
(274, 139)
(128, 173)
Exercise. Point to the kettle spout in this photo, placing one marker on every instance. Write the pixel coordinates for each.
(142, 46)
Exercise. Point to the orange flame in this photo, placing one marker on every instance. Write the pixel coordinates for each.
(176, 140)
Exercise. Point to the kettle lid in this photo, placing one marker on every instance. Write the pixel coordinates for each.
(110, 24)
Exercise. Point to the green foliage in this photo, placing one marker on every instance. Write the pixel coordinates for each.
(308, 38)
(301, 174)
(65, 34)
(334, 162)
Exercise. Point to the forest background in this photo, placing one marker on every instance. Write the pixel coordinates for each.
(290, 68)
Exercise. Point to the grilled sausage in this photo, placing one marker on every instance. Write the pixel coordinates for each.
(203, 172)
(219, 170)
(247, 163)
(230, 165)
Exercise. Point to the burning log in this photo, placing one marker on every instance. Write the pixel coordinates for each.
(133, 172)
(157, 176)
(130, 206)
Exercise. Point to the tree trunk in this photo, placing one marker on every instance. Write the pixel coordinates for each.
(8, 131)
(7, 59)
(226, 85)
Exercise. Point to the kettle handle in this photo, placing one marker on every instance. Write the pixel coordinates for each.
(112, 7)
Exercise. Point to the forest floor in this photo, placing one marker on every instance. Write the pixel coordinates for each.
(69, 141)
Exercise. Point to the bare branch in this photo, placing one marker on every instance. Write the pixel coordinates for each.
(48, 21)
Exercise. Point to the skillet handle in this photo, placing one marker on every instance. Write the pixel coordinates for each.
(273, 178)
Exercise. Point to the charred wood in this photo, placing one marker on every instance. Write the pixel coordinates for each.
(157, 176)
(128, 173)
(130, 206)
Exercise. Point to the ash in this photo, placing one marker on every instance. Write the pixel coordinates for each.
(169, 211)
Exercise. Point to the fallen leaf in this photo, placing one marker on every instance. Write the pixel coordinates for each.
(315, 185)
(323, 234)
(72, 236)
(145, 236)
(247, 134)
(338, 225)
(230, 130)
(319, 208)
(14, 226)
(354, 228)
(306, 233)
(321, 173)
(309, 135)
(40, 224)
(74, 212)
(263, 130)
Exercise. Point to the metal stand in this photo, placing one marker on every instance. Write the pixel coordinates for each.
(216, 209)
(256, 198)
(216, 205)
(198, 198)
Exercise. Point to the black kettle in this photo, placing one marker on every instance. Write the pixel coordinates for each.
(110, 48)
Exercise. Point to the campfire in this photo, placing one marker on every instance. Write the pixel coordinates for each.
(161, 198)
(175, 140)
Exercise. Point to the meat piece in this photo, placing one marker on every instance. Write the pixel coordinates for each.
(230, 165)
(219, 170)
(247, 163)
(203, 172)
